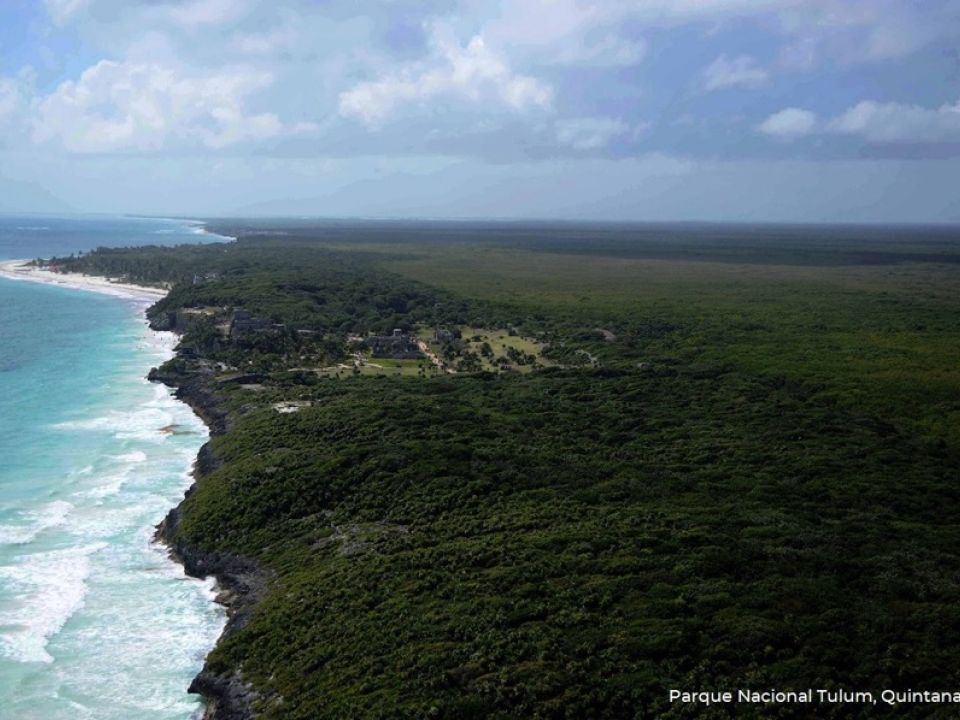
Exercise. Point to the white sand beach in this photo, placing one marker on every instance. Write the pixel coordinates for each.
(21, 270)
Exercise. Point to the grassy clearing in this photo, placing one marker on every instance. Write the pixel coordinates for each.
(397, 368)
(379, 367)
(496, 349)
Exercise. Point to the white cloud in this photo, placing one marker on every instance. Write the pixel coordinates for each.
(551, 17)
(897, 123)
(564, 32)
(541, 24)
(198, 13)
(789, 124)
(874, 122)
(868, 30)
(9, 98)
(473, 73)
(742, 71)
(145, 107)
(607, 51)
(589, 133)
(265, 43)
(845, 30)
(15, 93)
(671, 11)
(61, 11)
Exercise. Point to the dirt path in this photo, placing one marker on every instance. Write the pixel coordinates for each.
(434, 358)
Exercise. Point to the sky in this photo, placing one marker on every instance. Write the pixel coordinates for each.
(729, 110)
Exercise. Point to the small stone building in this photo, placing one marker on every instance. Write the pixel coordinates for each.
(186, 317)
(399, 346)
(244, 322)
(445, 335)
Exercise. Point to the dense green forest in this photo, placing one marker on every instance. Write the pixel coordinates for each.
(752, 484)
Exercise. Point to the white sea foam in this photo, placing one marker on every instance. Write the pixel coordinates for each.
(137, 456)
(106, 521)
(144, 423)
(47, 516)
(50, 587)
(107, 485)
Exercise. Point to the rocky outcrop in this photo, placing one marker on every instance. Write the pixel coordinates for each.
(228, 698)
(240, 581)
(241, 585)
(193, 389)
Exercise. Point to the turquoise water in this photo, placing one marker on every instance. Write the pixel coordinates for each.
(95, 621)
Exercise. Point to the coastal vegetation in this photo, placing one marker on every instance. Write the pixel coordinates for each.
(715, 458)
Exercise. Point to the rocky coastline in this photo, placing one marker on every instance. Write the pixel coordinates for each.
(241, 582)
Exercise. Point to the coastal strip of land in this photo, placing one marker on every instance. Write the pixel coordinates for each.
(24, 270)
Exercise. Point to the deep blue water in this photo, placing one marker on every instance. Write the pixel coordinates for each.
(32, 236)
(95, 621)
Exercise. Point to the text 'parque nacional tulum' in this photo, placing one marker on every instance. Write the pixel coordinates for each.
(820, 696)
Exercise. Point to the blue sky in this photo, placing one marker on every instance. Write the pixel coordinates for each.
(784, 110)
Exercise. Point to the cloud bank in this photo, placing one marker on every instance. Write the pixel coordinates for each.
(244, 88)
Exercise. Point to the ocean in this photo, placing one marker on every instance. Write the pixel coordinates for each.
(95, 620)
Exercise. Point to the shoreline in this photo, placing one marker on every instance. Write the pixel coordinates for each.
(23, 271)
(238, 583)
